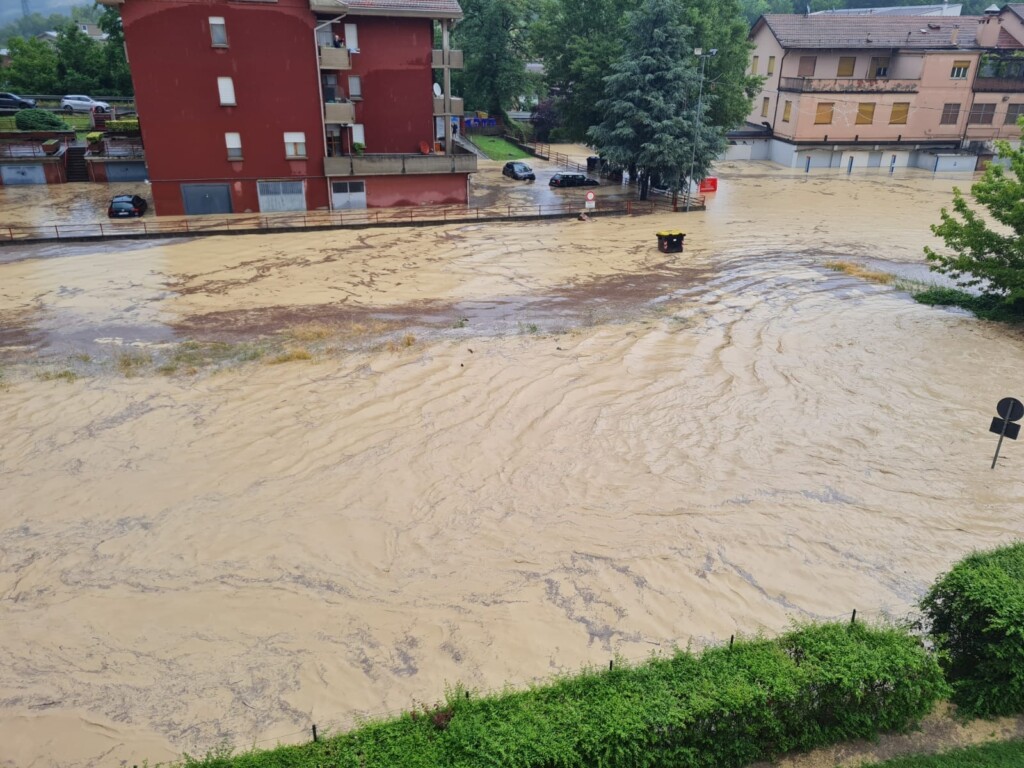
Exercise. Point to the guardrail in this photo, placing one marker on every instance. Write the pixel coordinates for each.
(322, 220)
(16, 151)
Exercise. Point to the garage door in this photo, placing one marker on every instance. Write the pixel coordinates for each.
(22, 174)
(206, 198)
(348, 195)
(282, 196)
(126, 172)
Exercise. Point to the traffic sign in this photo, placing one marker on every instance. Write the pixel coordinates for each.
(1010, 409)
(590, 196)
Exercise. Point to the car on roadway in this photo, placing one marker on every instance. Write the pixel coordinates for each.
(71, 104)
(518, 171)
(561, 179)
(14, 101)
(125, 206)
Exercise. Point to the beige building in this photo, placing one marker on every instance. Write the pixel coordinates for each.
(881, 91)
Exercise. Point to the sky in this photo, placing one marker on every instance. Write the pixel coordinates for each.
(11, 9)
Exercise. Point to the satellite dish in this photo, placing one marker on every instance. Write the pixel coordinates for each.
(437, 89)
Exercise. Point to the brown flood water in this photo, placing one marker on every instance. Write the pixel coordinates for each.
(588, 449)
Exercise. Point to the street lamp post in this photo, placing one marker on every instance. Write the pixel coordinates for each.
(699, 53)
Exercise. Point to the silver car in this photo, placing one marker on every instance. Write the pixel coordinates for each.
(71, 104)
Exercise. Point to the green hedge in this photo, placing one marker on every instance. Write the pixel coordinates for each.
(727, 707)
(38, 120)
(122, 126)
(976, 613)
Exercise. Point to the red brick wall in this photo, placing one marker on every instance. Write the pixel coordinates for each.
(387, 191)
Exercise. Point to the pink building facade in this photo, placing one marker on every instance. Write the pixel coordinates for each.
(886, 91)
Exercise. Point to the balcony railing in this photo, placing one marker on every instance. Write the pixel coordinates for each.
(454, 59)
(342, 114)
(328, 6)
(847, 85)
(395, 165)
(999, 85)
(335, 58)
(455, 107)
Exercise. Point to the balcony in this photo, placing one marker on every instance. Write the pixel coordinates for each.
(342, 114)
(437, 60)
(396, 165)
(335, 58)
(455, 106)
(847, 85)
(328, 6)
(998, 85)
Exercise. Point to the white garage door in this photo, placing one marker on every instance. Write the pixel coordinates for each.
(282, 196)
(348, 195)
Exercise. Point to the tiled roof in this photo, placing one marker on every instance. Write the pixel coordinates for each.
(434, 9)
(1017, 8)
(1006, 40)
(828, 31)
(895, 10)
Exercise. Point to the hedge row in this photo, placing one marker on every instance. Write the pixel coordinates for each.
(727, 707)
(38, 120)
(976, 613)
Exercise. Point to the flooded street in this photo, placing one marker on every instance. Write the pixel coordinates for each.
(415, 457)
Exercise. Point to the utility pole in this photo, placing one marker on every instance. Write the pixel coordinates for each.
(24, 8)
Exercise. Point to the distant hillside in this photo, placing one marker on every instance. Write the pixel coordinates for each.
(10, 10)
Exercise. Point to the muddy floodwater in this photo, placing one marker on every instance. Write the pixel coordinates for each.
(415, 457)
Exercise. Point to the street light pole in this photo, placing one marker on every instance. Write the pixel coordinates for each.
(699, 52)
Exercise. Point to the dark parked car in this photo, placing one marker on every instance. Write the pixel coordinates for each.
(572, 180)
(127, 205)
(14, 101)
(518, 171)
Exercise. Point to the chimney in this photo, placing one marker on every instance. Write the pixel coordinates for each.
(988, 32)
(955, 36)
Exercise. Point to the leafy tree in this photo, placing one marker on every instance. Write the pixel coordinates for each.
(650, 109)
(492, 36)
(30, 26)
(753, 9)
(117, 76)
(33, 67)
(80, 62)
(86, 13)
(981, 257)
(545, 119)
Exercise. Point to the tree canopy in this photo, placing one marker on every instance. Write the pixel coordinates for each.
(985, 258)
(494, 41)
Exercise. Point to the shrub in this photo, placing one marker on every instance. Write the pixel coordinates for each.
(93, 136)
(728, 707)
(976, 613)
(39, 120)
(122, 126)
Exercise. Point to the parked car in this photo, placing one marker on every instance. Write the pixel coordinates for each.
(518, 171)
(14, 101)
(572, 180)
(83, 104)
(124, 206)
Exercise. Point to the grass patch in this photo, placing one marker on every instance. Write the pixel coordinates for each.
(497, 148)
(987, 307)
(859, 270)
(65, 375)
(310, 332)
(131, 364)
(403, 343)
(1003, 754)
(291, 356)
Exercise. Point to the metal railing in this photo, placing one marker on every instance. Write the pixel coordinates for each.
(848, 85)
(16, 151)
(322, 220)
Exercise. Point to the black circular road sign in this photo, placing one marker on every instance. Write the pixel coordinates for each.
(1010, 408)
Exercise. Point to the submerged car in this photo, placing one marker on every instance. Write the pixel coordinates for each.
(572, 180)
(518, 171)
(124, 206)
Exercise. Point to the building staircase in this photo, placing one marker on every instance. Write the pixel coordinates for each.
(76, 165)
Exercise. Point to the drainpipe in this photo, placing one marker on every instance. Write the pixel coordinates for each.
(449, 149)
(974, 95)
(778, 92)
(320, 90)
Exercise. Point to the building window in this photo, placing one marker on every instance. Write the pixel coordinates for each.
(753, 65)
(351, 38)
(806, 67)
(233, 142)
(846, 66)
(764, 107)
(823, 115)
(226, 88)
(879, 67)
(218, 32)
(295, 145)
(950, 114)
(959, 71)
(1013, 111)
(771, 65)
(865, 113)
(348, 187)
(787, 111)
(355, 88)
(899, 113)
(981, 114)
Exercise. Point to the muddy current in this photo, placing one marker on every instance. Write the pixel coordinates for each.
(475, 454)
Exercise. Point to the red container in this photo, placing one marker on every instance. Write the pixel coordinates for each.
(710, 184)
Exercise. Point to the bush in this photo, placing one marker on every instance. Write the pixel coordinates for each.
(728, 707)
(39, 120)
(93, 136)
(976, 613)
(122, 126)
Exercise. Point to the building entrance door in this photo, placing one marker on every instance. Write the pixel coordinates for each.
(348, 195)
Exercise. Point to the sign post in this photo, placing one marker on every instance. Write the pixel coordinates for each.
(591, 203)
(1010, 410)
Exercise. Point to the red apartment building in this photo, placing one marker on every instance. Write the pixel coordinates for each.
(294, 105)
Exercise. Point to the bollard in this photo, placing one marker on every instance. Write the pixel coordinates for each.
(853, 617)
(731, 638)
(315, 739)
(807, 165)
(611, 665)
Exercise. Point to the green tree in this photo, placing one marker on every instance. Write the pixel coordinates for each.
(117, 77)
(493, 39)
(80, 63)
(33, 67)
(979, 256)
(650, 110)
